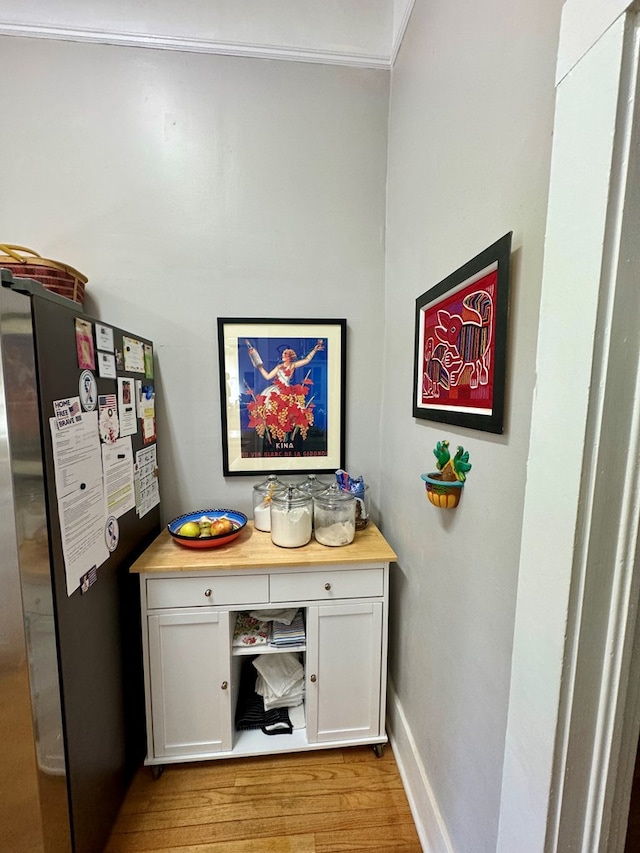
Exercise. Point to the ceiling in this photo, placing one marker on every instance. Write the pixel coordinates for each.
(364, 33)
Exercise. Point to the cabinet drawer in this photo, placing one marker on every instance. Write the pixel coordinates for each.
(327, 585)
(207, 591)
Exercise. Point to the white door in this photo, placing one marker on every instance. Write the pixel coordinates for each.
(189, 673)
(344, 652)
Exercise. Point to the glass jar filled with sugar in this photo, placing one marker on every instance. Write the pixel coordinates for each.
(262, 496)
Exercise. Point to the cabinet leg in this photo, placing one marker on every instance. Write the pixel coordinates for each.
(378, 748)
(157, 770)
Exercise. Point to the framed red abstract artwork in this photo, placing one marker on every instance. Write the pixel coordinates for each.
(461, 341)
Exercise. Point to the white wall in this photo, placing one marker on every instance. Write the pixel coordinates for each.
(469, 148)
(187, 187)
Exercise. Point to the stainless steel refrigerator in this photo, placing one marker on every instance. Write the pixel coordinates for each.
(71, 688)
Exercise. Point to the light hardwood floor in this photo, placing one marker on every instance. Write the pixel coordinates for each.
(325, 801)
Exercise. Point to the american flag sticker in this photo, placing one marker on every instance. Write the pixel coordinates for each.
(107, 401)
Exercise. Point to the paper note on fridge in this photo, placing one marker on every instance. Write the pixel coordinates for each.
(104, 337)
(146, 480)
(82, 527)
(107, 365)
(133, 355)
(76, 453)
(147, 411)
(117, 463)
(127, 406)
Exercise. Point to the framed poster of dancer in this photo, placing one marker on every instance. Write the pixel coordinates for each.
(461, 341)
(282, 388)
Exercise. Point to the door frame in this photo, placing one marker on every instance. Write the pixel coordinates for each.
(575, 687)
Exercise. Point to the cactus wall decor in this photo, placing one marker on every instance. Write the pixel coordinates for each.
(444, 486)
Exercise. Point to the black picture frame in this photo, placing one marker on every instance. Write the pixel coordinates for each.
(461, 343)
(282, 414)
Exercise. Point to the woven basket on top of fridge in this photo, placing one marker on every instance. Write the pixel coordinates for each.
(54, 275)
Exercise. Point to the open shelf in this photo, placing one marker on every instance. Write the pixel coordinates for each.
(267, 648)
(238, 651)
(255, 742)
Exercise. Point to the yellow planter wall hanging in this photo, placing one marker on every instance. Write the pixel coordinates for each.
(444, 486)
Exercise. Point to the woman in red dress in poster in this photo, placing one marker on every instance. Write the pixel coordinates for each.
(282, 409)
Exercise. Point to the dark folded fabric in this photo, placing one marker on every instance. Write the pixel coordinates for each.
(281, 726)
(250, 711)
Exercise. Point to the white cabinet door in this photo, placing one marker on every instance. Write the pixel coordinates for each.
(343, 666)
(189, 673)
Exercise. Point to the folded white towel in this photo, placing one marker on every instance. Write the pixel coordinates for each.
(289, 701)
(281, 672)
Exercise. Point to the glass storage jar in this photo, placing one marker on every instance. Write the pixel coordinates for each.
(313, 486)
(262, 495)
(291, 512)
(334, 516)
(362, 506)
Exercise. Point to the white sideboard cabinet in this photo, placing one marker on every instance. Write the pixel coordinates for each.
(190, 601)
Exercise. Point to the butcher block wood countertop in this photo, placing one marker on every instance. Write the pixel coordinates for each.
(253, 549)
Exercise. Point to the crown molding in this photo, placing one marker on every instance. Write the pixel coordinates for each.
(400, 27)
(157, 42)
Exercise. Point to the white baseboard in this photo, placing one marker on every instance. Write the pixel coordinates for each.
(426, 814)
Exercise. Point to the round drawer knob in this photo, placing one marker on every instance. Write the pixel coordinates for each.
(208, 593)
(327, 586)
(313, 679)
(224, 685)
